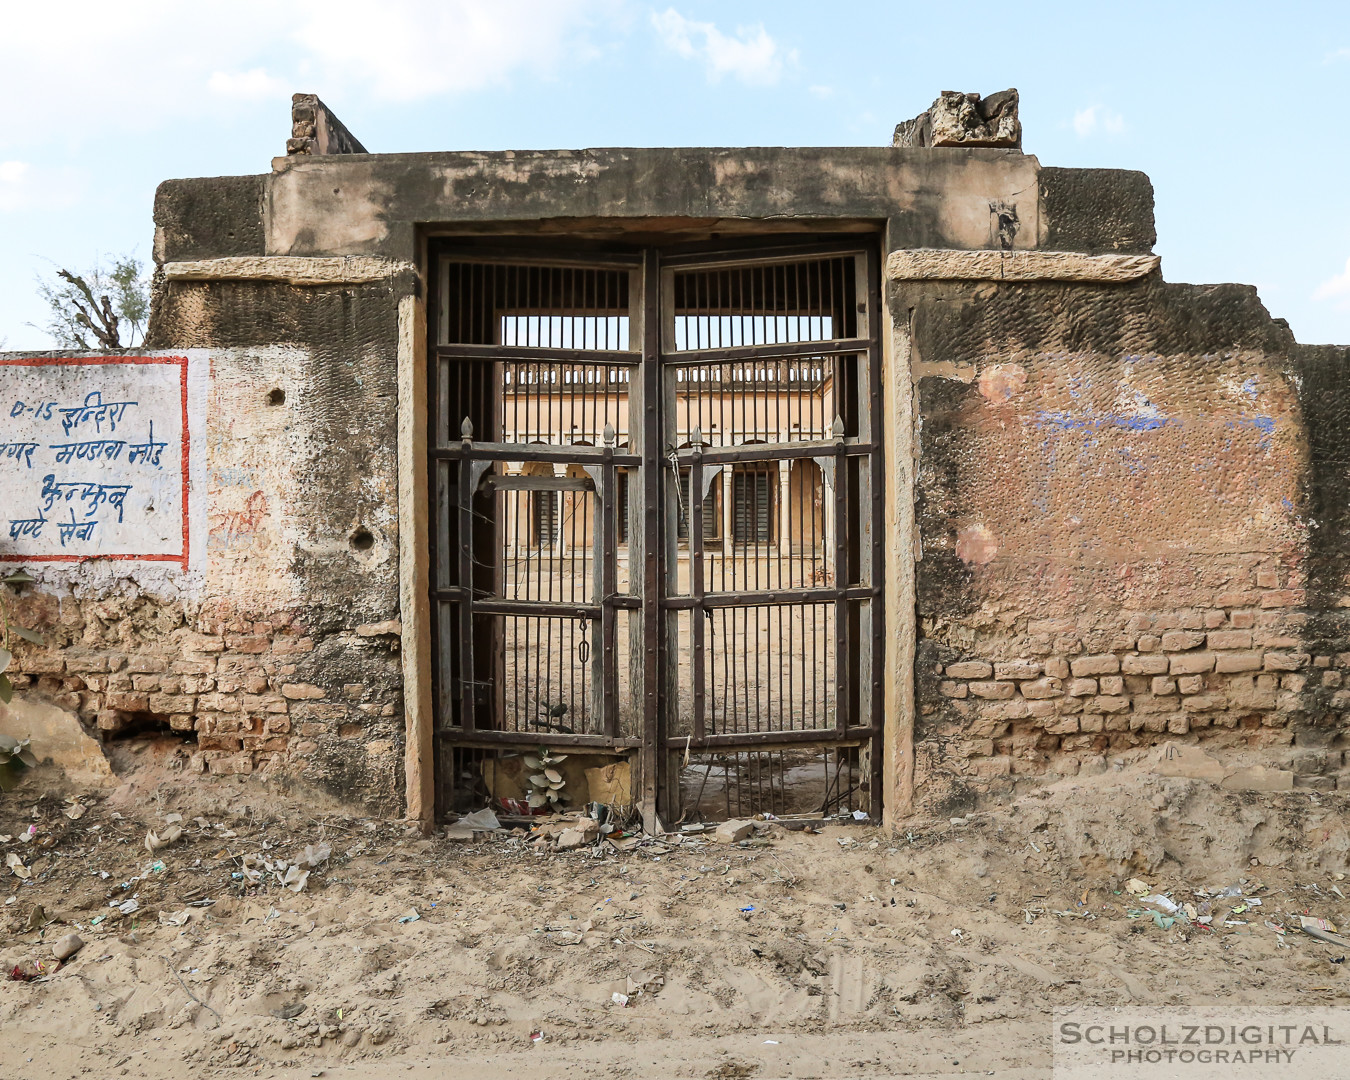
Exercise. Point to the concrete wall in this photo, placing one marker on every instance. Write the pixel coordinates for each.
(1115, 508)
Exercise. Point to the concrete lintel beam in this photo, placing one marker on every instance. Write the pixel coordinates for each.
(294, 270)
(931, 264)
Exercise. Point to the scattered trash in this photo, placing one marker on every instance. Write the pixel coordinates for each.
(770, 1042)
(1306, 921)
(126, 907)
(154, 841)
(67, 947)
(536, 1036)
(1135, 887)
(860, 815)
(37, 918)
(15, 863)
(748, 910)
(75, 810)
(174, 918)
(1158, 900)
(564, 937)
(412, 916)
(10, 900)
(619, 999)
(1163, 922)
(1322, 930)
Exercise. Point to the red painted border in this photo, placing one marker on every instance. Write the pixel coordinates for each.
(77, 361)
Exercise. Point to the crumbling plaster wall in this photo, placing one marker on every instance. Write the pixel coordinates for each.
(1131, 501)
(278, 648)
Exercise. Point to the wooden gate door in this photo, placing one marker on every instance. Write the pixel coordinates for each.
(655, 483)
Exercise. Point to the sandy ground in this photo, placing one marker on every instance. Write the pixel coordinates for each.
(850, 952)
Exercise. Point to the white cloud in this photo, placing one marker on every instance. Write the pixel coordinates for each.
(252, 85)
(751, 56)
(1096, 118)
(23, 187)
(1336, 289)
(134, 66)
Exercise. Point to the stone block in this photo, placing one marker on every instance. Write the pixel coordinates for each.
(1194, 663)
(164, 704)
(1163, 686)
(1144, 665)
(233, 764)
(1056, 668)
(947, 688)
(1111, 684)
(1062, 725)
(1105, 664)
(128, 702)
(970, 669)
(1242, 620)
(1204, 702)
(1042, 708)
(1191, 684)
(1259, 778)
(302, 691)
(1283, 598)
(1017, 669)
(1081, 687)
(993, 691)
(1148, 643)
(1107, 703)
(1041, 689)
(1091, 722)
(1286, 661)
(1230, 663)
(1181, 640)
(1230, 639)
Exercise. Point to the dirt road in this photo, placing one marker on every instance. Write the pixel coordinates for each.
(852, 952)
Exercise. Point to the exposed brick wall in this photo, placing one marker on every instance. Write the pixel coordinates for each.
(256, 693)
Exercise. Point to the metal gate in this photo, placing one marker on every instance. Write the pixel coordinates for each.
(656, 500)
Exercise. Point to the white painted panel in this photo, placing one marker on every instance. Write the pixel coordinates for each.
(94, 458)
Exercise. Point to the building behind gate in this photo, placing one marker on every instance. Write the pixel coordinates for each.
(713, 481)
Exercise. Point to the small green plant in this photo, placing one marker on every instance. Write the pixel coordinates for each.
(7, 629)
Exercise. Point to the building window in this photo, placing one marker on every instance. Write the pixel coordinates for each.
(544, 515)
(752, 506)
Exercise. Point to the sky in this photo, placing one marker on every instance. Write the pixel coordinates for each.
(1235, 110)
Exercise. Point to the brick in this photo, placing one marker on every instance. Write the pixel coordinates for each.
(128, 702)
(1321, 661)
(1283, 598)
(145, 682)
(86, 663)
(1063, 725)
(1006, 710)
(1230, 639)
(1039, 709)
(1191, 663)
(1267, 579)
(1109, 704)
(1234, 662)
(1056, 668)
(1111, 684)
(1286, 661)
(198, 684)
(952, 689)
(218, 742)
(147, 665)
(318, 711)
(1148, 643)
(1178, 724)
(970, 669)
(235, 764)
(1181, 640)
(1095, 665)
(1017, 669)
(279, 725)
(41, 663)
(993, 691)
(1081, 687)
(1331, 679)
(287, 646)
(1091, 722)
(1243, 620)
(1163, 686)
(164, 704)
(1236, 598)
(992, 766)
(1144, 665)
(182, 722)
(1191, 684)
(1294, 682)
(1040, 689)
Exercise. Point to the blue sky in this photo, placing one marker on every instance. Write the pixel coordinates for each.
(1236, 110)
